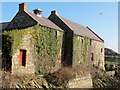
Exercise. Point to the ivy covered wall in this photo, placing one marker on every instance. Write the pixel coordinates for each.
(81, 47)
(43, 47)
(89, 52)
(48, 44)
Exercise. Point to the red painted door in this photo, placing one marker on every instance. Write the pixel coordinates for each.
(22, 57)
(20, 62)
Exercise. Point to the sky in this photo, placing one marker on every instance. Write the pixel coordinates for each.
(101, 17)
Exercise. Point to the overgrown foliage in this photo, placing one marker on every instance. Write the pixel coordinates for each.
(85, 47)
(80, 48)
(11, 41)
(76, 49)
(13, 38)
(47, 44)
(61, 77)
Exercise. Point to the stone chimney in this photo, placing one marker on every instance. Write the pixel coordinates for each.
(54, 12)
(22, 7)
(38, 12)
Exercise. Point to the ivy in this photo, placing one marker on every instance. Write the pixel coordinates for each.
(48, 47)
(76, 49)
(11, 41)
(46, 44)
(14, 37)
(85, 47)
(80, 49)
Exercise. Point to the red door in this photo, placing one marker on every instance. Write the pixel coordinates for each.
(22, 57)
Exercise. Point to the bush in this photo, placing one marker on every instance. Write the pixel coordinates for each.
(60, 77)
(106, 67)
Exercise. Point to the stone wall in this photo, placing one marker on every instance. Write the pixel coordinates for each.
(67, 45)
(81, 82)
(97, 48)
(77, 50)
(72, 53)
(110, 73)
(21, 20)
(29, 68)
(35, 62)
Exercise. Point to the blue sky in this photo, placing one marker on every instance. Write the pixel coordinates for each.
(101, 17)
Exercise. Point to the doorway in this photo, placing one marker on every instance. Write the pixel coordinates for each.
(23, 57)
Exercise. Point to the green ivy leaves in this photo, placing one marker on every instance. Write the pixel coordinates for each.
(80, 48)
(46, 44)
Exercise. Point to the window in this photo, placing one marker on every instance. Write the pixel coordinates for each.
(92, 56)
(23, 57)
(56, 34)
(82, 40)
(101, 50)
(90, 42)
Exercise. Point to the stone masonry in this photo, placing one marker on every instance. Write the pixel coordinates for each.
(97, 48)
(30, 67)
(81, 82)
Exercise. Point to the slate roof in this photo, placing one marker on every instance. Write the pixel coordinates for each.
(80, 30)
(3, 25)
(77, 28)
(44, 21)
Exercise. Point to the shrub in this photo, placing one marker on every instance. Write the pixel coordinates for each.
(60, 77)
(106, 67)
(63, 75)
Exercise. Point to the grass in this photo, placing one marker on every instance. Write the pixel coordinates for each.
(110, 62)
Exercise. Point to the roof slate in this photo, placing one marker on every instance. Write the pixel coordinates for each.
(77, 28)
(3, 25)
(44, 21)
(80, 30)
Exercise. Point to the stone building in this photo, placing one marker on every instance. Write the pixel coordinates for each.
(95, 51)
(76, 43)
(25, 52)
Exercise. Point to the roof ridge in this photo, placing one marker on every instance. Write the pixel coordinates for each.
(44, 21)
(79, 29)
(72, 21)
(95, 33)
(4, 22)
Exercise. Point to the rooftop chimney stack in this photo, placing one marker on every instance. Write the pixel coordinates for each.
(22, 7)
(38, 12)
(54, 12)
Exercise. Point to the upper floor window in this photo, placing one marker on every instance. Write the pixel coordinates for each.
(92, 56)
(82, 40)
(90, 42)
(101, 50)
(56, 34)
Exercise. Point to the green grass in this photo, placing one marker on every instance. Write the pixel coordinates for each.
(110, 62)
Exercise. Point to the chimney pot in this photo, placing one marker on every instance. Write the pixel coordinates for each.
(22, 7)
(38, 12)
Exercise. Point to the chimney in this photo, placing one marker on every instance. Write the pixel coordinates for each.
(54, 12)
(22, 7)
(38, 12)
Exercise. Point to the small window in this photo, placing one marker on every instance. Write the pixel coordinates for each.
(92, 56)
(56, 34)
(82, 40)
(23, 57)
(90, 42)
(101, 50)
